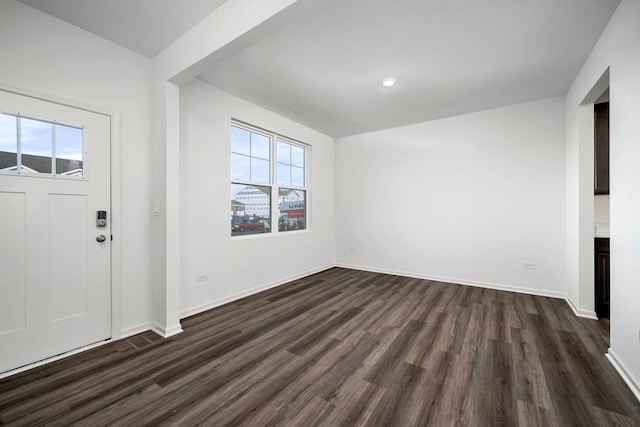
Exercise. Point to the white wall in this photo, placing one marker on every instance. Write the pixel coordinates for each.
(231, 27)
(467, 199)
(43, 54)
(246, 264)
(619, 49)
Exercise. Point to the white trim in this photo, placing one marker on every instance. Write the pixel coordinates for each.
(52, 359)
(135, 330)
(625, 373)
(587, 314)
(487, 285)
(166, 332)
(116, 231)
(73, 103)
(221, 301)
(116, 307)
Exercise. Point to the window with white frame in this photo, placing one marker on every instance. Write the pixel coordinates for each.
(268, 174)
(30, 146)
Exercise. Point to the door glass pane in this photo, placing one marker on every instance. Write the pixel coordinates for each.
(240, 167)
(259, 146)
(240, 141)
(68, 150)
(8, 142)
(36, 143)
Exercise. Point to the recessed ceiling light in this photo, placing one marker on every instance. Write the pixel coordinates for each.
(388, 82)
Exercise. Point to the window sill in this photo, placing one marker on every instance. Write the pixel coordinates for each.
(266, 235)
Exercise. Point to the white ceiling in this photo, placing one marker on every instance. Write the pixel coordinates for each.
(325, 69)
(450, 57)
(144, 26)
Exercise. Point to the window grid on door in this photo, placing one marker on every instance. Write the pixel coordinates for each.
(35, 147)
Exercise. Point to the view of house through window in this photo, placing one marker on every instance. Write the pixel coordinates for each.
(292, 209)
(31, 146)
(265, 165)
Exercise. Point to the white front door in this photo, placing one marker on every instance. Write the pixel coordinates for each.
(55, 284)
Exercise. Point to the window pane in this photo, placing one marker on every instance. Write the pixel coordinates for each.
(68, 150)
(297, 176)
(297, 156)
(259, 170)
(36, 142)
(240, 140)
(240, 167)
(8, 142)
(284, 174)
(260, 146)
(284, 152)
(250, 209)
(292, 209)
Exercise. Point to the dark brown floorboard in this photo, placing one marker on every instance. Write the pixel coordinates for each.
(343, 348)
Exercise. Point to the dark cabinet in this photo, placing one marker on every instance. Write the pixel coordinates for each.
(601, 145)
(602, 284)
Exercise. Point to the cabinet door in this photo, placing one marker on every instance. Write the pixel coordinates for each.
(602, 283)
(601, 173)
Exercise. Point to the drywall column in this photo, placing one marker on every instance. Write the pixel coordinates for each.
(231, 27)
(580, 198)
(586, 273)
(619, 50)
(172, 194)
(166, 209)
(625, 204)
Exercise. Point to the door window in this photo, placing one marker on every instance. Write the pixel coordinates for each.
(30, 146)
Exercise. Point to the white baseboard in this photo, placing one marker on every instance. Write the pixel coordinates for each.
(151, 326)
(135, 330)
(221, 301)
(587, 314)
(625, 373)
(488, 285)
(166, 332)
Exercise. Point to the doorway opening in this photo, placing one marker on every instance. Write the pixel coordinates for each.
(593, 198)
(601, 217)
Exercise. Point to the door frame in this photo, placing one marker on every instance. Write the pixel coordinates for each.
(116, 328)
(585, 303)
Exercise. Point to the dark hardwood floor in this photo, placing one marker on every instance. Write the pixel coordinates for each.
(343, 348)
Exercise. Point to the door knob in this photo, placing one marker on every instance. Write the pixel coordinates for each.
(100, 238)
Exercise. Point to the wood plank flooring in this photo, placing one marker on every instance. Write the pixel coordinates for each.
(343, 348)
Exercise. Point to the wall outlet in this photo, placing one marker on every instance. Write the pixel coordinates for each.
(203, 277)
(529, 265)
(352, 249)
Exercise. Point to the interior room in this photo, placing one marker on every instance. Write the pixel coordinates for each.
(432, 217)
